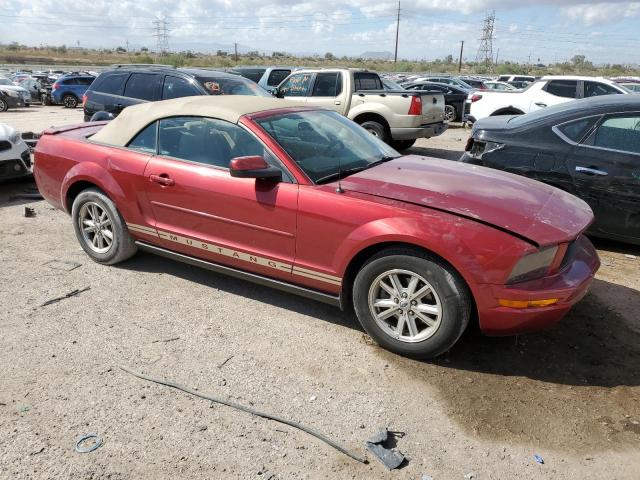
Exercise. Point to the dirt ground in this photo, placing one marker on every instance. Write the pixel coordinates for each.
(570, 394)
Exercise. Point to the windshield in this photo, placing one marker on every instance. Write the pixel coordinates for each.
(232, 86)
(324, 143)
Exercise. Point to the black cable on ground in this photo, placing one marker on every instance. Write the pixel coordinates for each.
(251, 411)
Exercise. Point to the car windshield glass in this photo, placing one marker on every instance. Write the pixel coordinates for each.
(232, 86)
(325, 144)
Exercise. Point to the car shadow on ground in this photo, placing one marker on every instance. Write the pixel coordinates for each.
(152, 263)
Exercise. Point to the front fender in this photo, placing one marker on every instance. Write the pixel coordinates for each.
(479, 253)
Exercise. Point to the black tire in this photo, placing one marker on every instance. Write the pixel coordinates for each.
(4, 106)
(122, 246)
(450, 113)
(69, 101)
(453, 295)
(401, 145)
(46, 100)
(376, 129)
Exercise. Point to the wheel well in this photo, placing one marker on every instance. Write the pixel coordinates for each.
(372, 117)
(361, 258)
(507, 111)
(70, 94)
(75, 189)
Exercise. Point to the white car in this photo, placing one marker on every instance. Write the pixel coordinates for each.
(15, 158)
(502, 86)
(548, 91)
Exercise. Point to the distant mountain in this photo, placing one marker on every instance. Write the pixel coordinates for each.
(377, 55)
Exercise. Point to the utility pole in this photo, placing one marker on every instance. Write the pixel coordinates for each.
(235, 45)
(162, 37)
(485, 51)
(497, 53)
(460, 59)
(395, 57)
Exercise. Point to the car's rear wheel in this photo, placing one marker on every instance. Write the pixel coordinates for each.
(100, 229)
(450, 113)
(411, 303)
(4, 106)
(70, 101)
(401, 145)
(376, 129)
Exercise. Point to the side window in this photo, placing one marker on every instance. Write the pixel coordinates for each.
(297, 85)
(367, 81)
(577, 129)
(70, 81)
(175, 87)
(327, 85)
(208, 141)
(594, 89)
(276, 77)
(111, 83)
(145, 141)
(618, 133)
(141, 86)
(85, 81)
(562, 88)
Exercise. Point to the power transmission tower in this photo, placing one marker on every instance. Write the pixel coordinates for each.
(395, 57)
(162, 36)
(485, 51)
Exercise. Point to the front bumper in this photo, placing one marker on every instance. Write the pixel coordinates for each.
(569, 286)
(14, 102)
(466, 158)
(423, 131)
(15, 162)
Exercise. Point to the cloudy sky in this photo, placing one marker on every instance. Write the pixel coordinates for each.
(549, 30)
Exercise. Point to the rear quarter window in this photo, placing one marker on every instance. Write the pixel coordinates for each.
(276, 77)
(110, 83)
(367, 81)
(576, 130)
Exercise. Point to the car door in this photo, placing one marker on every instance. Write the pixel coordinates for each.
(296, 87)
(554, 93)
(141, 87)
(606, 174)
(327, 91)
(201, 211)
(176, 87)
(106, 94)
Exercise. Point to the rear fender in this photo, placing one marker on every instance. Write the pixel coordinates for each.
(93, 173)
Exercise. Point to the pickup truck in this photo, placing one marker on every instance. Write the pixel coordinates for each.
(398, 118)
(548, 91)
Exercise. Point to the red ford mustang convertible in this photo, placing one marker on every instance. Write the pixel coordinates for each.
(307, 201)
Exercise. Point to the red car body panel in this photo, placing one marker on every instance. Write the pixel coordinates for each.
(309, 234)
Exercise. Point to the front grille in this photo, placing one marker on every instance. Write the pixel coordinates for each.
(5, 145)
(11, 168)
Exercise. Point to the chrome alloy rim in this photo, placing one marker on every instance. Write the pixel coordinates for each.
(405, 306)
(96, 227)
(449, 113)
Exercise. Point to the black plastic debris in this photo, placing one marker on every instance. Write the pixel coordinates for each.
(381, 446)
(29, 212)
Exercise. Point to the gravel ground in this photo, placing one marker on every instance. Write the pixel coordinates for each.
(570, 394)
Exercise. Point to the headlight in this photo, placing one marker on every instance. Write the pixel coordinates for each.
(477, 148)
(15, 137)
(12, 93)
(534, 265)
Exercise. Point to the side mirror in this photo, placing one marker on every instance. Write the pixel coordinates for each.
(278, 93)
(253, 167)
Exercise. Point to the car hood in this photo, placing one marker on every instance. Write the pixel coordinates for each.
(542, 214)
(6, 131)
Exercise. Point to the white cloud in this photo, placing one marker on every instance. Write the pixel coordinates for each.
(601, 13)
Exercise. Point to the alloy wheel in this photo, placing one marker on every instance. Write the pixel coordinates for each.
(405, 305)
(96, 227)
(449, 113)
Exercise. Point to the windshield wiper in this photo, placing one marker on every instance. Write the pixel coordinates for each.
(350, 171)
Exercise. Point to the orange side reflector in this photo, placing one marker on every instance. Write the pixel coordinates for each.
(527, 303)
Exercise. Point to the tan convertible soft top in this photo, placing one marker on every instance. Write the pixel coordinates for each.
(123, 128)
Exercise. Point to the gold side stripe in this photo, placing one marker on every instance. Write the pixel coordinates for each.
(315, 277)
(301, 270)
(227, 252)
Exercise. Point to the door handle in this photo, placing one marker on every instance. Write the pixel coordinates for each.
(591, 171)
(162, 179)
(541, 104)
(337, 102)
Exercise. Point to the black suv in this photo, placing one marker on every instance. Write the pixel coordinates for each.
(125, 85)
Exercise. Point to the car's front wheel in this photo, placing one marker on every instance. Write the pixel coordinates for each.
(100, 229)
(411, 303)
(4, 106)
